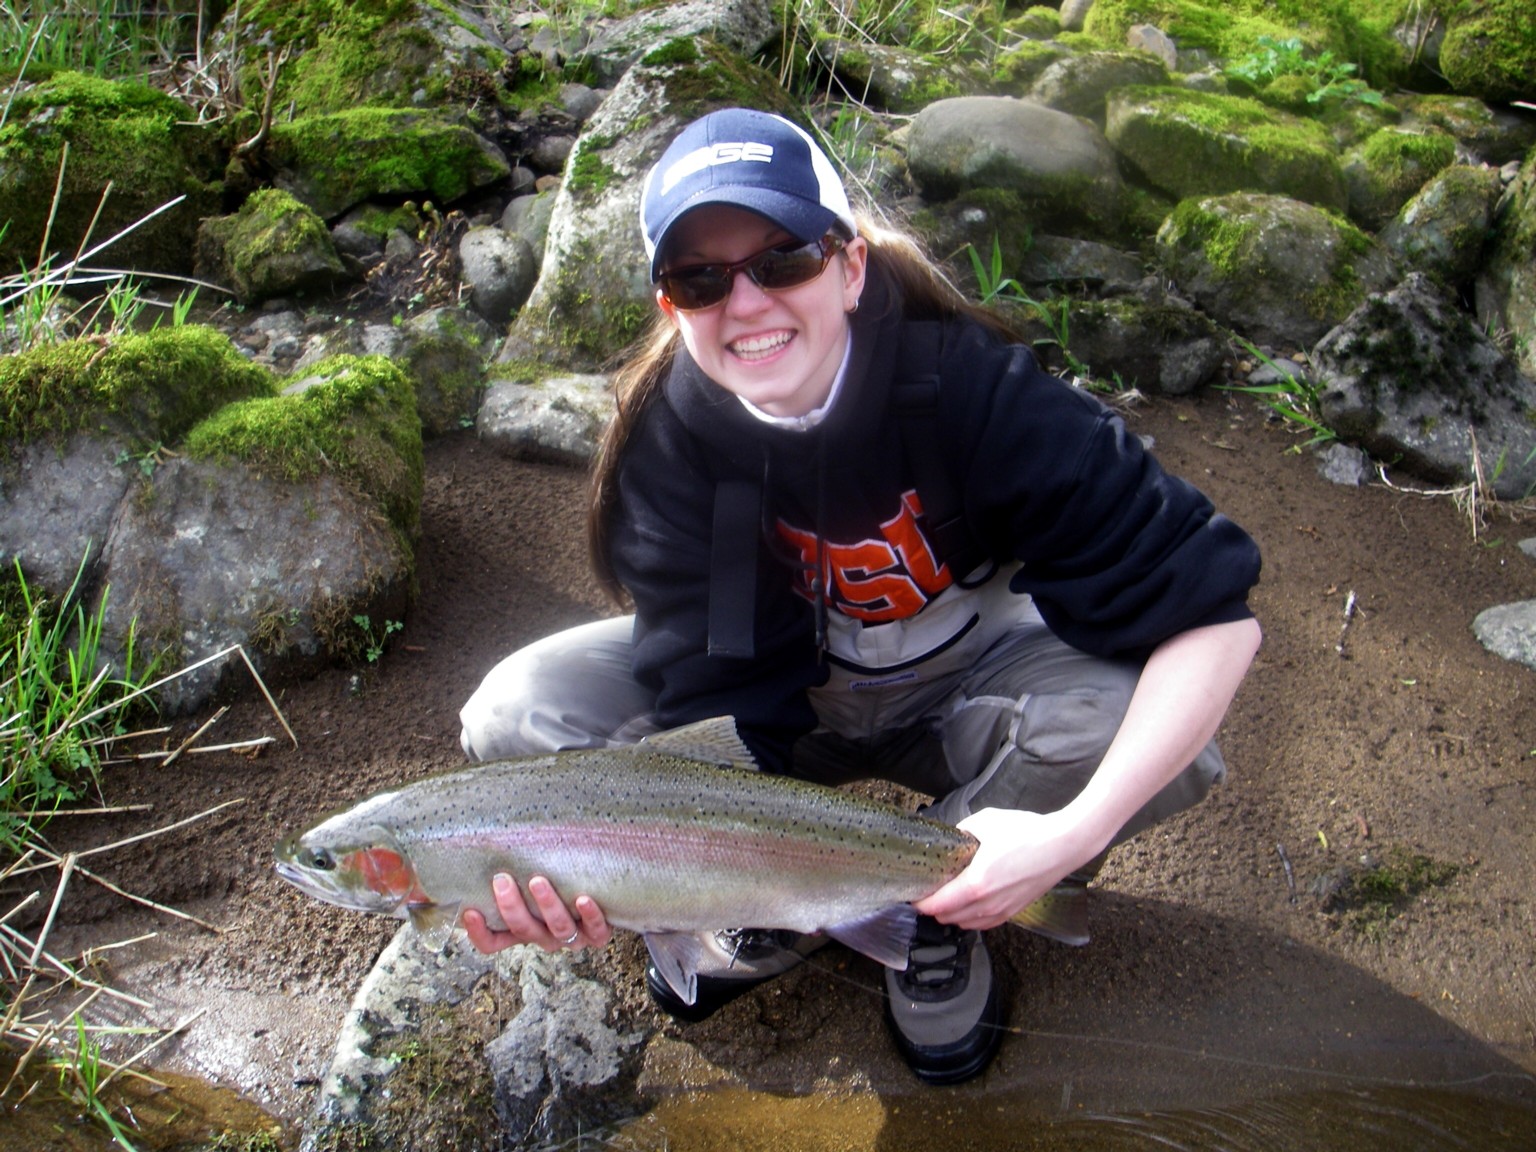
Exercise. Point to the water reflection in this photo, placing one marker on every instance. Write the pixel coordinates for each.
(1374, 1119)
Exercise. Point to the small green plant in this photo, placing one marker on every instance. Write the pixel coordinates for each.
(81, 1081)
(1330, 78)
(375, 640)
(59, 704)
(1293, 397)
(993, 286)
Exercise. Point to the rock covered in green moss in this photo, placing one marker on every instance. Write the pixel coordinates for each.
(137, 140)
(1276, 270)
(744, 27)
(272, 246)
(1489, 49)
(350, 416)
(1484, 133)
(1385, 172)
(891, 77)
(1079, 84)
(1411, 378)
(1199, 144)
(1059, 166)
(145, 388)
(1444, 230)
(334, 161)
(1506, 286)
(382, 53)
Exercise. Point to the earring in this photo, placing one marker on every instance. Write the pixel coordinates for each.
(853, 309)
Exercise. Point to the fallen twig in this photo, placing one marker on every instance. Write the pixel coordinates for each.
(1350, 603)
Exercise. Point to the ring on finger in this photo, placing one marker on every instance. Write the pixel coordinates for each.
(571, 939)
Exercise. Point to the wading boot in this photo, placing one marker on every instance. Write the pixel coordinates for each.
(944, 1010)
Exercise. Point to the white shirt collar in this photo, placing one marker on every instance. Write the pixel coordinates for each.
(816, 416)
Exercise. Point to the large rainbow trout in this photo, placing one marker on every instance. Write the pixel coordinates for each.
(672, 836)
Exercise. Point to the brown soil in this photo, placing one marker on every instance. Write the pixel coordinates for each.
(1215, 975)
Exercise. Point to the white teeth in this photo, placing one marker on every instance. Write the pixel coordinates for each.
(755, 347)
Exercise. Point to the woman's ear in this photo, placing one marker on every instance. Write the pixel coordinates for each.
(855, 264)
(666, 306)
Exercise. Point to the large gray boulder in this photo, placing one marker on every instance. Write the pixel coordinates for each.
(1059, 165)
(745, 27)
(1079, 85)
(1506, 287)
(1277, 270)
(1444, 230)
(1411, 378)
(500, 269)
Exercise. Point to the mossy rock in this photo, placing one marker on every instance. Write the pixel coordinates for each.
(1444, 230)
(1189, 143)
(146, 388)
(1017, 68)
(351, 416)
(272, 247)
(119, 133)
(373, 53)
(1489, 50)
(333, 162)
(1389, 169)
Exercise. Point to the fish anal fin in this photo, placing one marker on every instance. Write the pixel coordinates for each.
(435, 922)
(885, 935)
(1061, 914)
(676, 956)
(715, 741)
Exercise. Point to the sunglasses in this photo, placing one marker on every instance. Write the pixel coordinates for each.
(785, 266)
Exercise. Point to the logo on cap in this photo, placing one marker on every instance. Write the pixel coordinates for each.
(711, 156)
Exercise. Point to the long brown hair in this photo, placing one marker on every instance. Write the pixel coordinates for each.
(925, 294)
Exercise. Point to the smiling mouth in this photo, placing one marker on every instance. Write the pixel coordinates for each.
(758, 347)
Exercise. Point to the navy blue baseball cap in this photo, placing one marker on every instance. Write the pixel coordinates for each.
(749, 159)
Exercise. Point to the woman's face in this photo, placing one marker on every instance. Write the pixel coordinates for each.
(779, 351)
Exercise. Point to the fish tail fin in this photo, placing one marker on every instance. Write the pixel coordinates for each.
(884, 935)
(1061, 914)
(435, 922)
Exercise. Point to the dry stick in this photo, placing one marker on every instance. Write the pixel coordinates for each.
(147, 1049)
(112, 811)
(193, 668)
(148, 903)
(53, 211)
(31, 896)
(44, 1035)
(58, 897)
(207, 724)
(159, 753)
(69, 720)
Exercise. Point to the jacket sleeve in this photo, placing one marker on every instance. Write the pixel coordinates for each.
(661, 541)
(1118, 555)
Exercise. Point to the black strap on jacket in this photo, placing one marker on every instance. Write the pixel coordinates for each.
(734, 540)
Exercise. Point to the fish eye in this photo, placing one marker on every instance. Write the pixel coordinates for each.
(322, 860)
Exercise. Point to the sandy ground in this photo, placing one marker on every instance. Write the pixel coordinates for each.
(1219, 973)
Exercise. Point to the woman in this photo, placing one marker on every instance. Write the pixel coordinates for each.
(857, 518)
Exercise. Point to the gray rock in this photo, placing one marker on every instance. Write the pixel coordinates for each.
(1389, 168)
(1506, 286)
(560, 419)
(273, 246)
(1074, 13)
(500, 269)
(579, 101)
(1078, 265)
(1444, 229)
(892, 77)
(1153, 40)
(1060, 165)
(1509, 630)
(528, 217)
(57, 504)
(1157, 346)
(1528, 546)
(1411, 378)
(1078, 85)
(560, 1067)
(744, 26)
(1343, 464)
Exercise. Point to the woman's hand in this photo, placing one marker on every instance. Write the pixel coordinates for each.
(1021, 856)
(549, 923)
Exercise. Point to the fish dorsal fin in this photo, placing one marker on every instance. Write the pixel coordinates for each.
(714, 741)
(435, 922)
(676, 956)
(885, 935)
(1061, 914)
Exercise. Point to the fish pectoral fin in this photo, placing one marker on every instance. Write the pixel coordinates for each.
(1061, 914)
(885, 935)
(713, 741)
(676, 956)
(435, 922)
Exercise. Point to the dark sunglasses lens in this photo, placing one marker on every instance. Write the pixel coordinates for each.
(697, 287)
(777, 269)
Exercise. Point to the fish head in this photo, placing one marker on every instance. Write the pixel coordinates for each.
(365, 870)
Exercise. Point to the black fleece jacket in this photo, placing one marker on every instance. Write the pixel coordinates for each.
(1118, 555)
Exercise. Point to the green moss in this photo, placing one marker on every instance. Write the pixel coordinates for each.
(1372, 897)
(357, 420)
(681, 51)
(346, 157)
(1490, 50)
(153, 385)
(120, 133)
